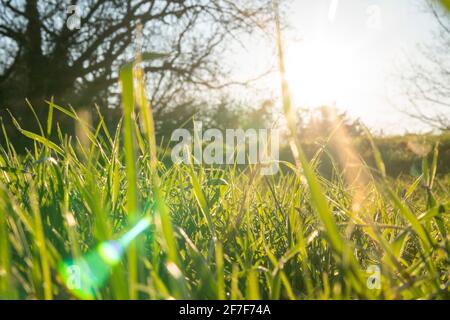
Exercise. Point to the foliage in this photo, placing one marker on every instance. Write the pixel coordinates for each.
(237, 234)
(44, 56)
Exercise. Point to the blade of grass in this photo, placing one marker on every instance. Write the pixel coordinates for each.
(41, 245)
(7, 289)
(127, 89)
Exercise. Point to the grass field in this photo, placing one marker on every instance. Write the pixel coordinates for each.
(212, 233)
(99, 216)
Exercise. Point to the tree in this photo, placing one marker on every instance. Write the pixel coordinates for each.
(46, 58)
(427, 80)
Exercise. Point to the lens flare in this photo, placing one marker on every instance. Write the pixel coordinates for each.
(110, 252)
(141, 226)
(85, 275)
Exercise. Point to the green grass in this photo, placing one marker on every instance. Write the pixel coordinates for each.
(215, 233)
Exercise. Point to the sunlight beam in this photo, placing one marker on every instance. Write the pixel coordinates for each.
(85, 275)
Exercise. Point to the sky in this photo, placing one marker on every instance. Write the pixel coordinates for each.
(347, 53)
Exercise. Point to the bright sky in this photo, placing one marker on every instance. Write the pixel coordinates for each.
(347, 52)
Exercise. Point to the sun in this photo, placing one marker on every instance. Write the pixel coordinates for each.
(323, 73)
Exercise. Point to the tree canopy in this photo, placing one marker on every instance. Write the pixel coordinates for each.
(77, 62)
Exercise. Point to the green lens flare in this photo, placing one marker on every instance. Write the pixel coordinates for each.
(111, 252)
(85, 275)
(142, 225)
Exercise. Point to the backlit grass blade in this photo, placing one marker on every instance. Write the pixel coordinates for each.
(434, 165)
(127, 88)
(376, 153)
(220, 272)
(7, 288)
(252, 285)
(235, 282)
(201, 200)
(41, 245)
(38, 138)
(162, 209)
(38, 121)
(50, 120)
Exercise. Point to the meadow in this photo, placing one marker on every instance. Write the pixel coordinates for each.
(100, 215)
(202, 232)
